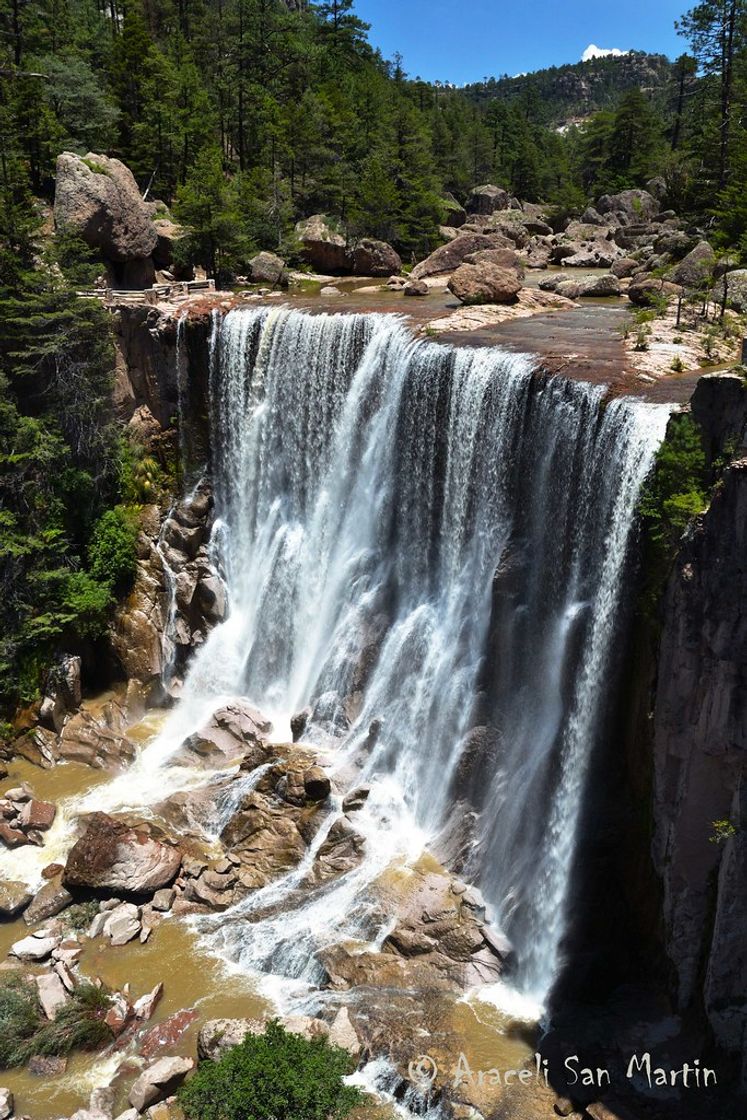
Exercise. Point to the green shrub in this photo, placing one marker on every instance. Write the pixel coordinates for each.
(24, 1030)
(111, 552)
(273, 1076)
(81, 914)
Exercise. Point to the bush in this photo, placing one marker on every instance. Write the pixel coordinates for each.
(111, 552)
(81, 914)
(273, 1076)
(24, 1030)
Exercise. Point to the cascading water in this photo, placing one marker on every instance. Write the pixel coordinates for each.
(424, 547)
(404, 525)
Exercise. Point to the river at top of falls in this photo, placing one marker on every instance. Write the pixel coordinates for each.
(425, 546)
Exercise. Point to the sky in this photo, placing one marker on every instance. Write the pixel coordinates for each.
(464, 42)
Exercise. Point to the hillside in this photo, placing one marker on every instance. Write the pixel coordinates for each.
(559, 93)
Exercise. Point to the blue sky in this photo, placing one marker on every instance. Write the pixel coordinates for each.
(464, 42)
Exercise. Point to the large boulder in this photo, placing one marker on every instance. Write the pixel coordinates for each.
(485, 283)
(268, 268)
(631, 206)
(696, 268)
(448, 257)
(323, 247)
(648, 292)
(159, 1081)
(97, 198)
(369, 257)
(735, 283)
(487, 199)
(455, 213)
(230, 734)
(112, 856)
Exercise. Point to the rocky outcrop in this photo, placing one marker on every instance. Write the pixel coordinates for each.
(234, 732)
(629, 206)
(112, 856)
(700, 760)
(97, 198)
(696, 268)
(719, 407)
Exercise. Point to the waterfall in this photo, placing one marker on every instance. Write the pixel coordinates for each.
(425, 549)
(422, 539)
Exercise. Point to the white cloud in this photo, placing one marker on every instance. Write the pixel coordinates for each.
(593, 51)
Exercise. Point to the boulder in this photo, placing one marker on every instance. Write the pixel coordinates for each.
(675, 242)
(632, 205)
(219, 1035)
(504, 258)
(231, 733)
(607, 285)
(49, 901)
(369, 257)
(736, 289)
(163, 900)
(268, 268)
(7, 1104)
(416, 288)
(593, 254)
(455, 215)
(159, 1081)
(487, 199)
(342, 1033)
(13, 898)
(34, 948)
(39, 815)
(451, 256)
(485, 283)
(322, 246)
(97, 198)
(122, 924)
(696, 268)
(52, 993)
(625, 267)
(646, 292)
(316, 784)
(168, 234)
(12, 837)
(112, 856)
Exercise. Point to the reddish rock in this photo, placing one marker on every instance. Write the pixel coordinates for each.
(485, 283)
(168, 1033)
(38, 814)
(112, 856)
(12, 837)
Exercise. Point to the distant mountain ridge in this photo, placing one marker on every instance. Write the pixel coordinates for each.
(558, 94)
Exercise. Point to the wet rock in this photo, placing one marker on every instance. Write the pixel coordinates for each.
(34, 947)
(38, 815)
(49, 901)
(102, 1101)
(40, 1066)
(298, 723)
(211, 596)
(449, 257)
(112, 856)
(52, 993)
(146, 1005)
(230, 734)
(12, 837)
(163, 900)
(159, 1081)
(7, 1104)
(168, 1033)
(485, 283)
(13, 898)
(97, 739)
(219, 1035)
(356, 799)
(316, 784)
(123, 924)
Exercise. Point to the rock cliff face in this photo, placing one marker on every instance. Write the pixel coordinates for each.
(700, 764)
